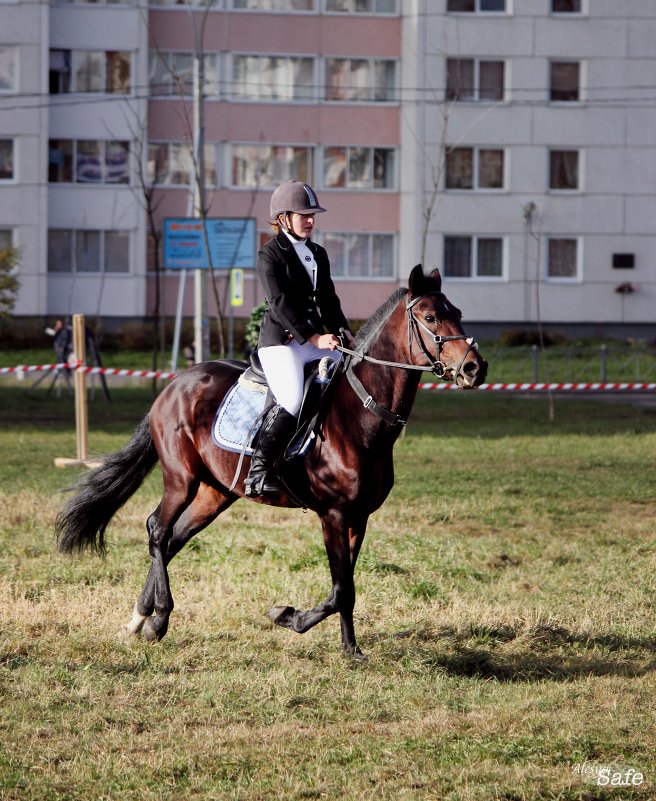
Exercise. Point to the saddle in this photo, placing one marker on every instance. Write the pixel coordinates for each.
(239, 417)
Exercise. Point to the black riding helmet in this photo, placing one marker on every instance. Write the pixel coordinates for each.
(293, 196)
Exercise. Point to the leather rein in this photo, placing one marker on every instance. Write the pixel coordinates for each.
(439, 368)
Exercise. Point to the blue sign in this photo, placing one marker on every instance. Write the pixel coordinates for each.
(231, 242)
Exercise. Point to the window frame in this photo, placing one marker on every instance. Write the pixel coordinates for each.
(371, 82)
(564, 279)
(370, 235)
(554, 190)
(473, 276)
(337, 12)
(234, 97)
(71, 75)
(581, 70)
(231, 5)
(102, 252)
(321, 168)
(14, 88)
(181, 146)
(13, 179)
(477, 9)
(476, 150)
(476, 88)
(104, 152)
(310, 155)
(568, 14)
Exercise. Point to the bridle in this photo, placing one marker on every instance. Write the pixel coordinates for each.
(439, 368)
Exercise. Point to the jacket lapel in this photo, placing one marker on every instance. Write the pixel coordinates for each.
(296, 269)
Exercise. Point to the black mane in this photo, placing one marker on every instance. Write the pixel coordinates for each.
(371, 327)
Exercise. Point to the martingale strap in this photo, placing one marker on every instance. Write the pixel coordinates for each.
(369, 403)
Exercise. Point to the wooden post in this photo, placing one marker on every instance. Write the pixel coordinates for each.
(81, 405)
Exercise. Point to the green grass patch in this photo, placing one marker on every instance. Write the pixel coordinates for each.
(505, 599)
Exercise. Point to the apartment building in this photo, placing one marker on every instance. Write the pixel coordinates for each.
(508, 142)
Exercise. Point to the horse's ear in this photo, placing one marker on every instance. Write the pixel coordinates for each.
(416, 281)
(436, 276)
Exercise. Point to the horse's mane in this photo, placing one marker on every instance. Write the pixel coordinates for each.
(371, 327)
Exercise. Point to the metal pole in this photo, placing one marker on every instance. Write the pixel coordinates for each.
(81, 408)
(200, 288)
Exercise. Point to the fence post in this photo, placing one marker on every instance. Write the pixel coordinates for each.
(604, 365)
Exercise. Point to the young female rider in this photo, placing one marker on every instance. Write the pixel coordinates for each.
(301, 304)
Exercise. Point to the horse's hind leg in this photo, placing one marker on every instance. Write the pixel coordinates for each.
(205, 507)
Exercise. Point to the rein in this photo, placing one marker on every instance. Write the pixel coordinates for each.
(439, 369)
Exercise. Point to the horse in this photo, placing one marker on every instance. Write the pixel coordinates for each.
(345, 476)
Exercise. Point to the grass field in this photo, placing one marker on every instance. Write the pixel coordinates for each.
(506, 600)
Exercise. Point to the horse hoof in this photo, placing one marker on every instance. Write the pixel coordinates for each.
(282, 616)
(134, 627)
(152, 632)
(357, 655)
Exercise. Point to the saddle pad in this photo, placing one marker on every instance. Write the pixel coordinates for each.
(236, 415)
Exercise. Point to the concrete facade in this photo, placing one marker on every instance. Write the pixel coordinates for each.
(514, 231)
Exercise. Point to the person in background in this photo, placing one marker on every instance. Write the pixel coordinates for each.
(302, 321)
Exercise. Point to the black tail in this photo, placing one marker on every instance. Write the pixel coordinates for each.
(85, 516)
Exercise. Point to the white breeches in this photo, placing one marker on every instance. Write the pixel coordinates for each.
(283, 368)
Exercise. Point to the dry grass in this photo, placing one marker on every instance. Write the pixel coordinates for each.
(505, 601)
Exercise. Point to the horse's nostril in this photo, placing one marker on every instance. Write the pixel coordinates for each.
(470, 368)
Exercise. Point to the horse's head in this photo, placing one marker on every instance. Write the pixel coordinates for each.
(435, 335)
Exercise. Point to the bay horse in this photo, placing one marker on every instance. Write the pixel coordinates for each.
(346, 475)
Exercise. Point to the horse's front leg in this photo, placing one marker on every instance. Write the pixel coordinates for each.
(338, 539)
(342, 543)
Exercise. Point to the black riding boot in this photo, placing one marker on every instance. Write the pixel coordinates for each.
(276, 431)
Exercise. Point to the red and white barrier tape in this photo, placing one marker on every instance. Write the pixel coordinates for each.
(536, 387)
(85, 368)
(568, 387)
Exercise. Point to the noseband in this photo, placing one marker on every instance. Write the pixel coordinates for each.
(439, 368)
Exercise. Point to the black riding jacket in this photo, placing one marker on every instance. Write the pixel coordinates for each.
(294, 310)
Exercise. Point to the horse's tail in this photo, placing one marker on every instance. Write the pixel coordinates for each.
(85, 516)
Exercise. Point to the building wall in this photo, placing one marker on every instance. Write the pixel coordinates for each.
(611, 211)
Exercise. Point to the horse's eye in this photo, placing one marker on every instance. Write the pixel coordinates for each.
(429, 318)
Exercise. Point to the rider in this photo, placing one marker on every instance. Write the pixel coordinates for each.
(300, 304)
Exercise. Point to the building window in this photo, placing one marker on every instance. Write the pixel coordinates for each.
(358, 168)
(564, 170)
(474, 168)
(171, 163)
(566, 7)
(471, 80)
(88, 162)
(266, 166)
(360, 80)
(6, 239)
(7, 160)
(274, 5)
(8, 59)
(362, 6)
(563, 258)
(360, 255)
(273, 78)
(472, 6)
(89, 71)
(82, 251)
(172, 74)
(473, 257)
(565, 77)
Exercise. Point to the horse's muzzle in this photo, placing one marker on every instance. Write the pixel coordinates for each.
(472, 373)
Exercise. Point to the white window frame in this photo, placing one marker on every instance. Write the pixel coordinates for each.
(584, 12)
(14, 156)
(169, 143)
(347, 188)
(371, 62)
(311, 154)
(557, 279)
(320, 238)
(233, 7)
(103, 156)
(477, 10)
(332, 12)
(580, 169)
(582, 82)
(503, 278)
(102, 248)
(476, 170)
(235, 98)
(477, 79)
(16, 77)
